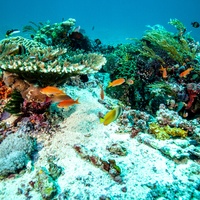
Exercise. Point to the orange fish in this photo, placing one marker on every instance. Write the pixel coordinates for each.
(59, 98)
(116, 82)
(68, 102)
(186, 72)
(51, 90)
(164, 71)
(101, 92)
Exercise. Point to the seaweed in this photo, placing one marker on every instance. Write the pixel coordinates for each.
(33, 28)
(14, 104)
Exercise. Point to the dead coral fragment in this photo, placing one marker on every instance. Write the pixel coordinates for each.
(108, 165)
(164, 132)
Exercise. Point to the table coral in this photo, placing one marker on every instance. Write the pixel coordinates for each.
(38, 63)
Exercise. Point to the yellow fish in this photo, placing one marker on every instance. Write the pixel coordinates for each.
(111, 116)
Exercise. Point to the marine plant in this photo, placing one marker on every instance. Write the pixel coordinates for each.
(14, 104)
(179, 26)
(161, 64)
(33, 28)
(121, 62)
(175, 47)
(161, 88)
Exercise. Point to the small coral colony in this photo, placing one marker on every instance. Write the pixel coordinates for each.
(158, 73)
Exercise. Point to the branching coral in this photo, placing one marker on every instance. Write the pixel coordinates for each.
(40, 63)
(121, 61)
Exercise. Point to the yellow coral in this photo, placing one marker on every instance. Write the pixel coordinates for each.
(164, 132)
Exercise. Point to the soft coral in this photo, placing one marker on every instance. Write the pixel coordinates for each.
(193, 90)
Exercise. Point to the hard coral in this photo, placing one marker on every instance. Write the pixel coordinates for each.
(14, 152)
(39, 63)
(164, 132)
(54, 34)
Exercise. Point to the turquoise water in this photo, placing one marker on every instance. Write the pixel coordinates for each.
(111, 21)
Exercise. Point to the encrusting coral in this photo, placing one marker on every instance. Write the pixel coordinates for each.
(38, 63)
(164, 132)
(5, 91)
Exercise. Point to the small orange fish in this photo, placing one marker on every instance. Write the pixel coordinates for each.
(186, 72)
(116, 82)
(59, 98)
(51, 90)
(68, 102)
(164, 72)
(101, 92)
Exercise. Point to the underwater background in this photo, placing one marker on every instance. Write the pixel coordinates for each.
(109, 20)
(100, 100)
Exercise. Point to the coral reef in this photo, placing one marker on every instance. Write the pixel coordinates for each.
(15, 151)
(53, 34)
(173, 190)
(164, 132)
(45, 184)
(162, 65)
(63, 34)
(38, 63)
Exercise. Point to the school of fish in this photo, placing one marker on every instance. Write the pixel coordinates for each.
(64, 100)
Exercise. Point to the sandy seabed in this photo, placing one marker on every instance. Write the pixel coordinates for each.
(141, 168)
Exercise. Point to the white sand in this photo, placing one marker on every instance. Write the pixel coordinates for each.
(142, 165)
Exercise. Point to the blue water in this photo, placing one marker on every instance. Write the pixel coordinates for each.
(113, 21)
